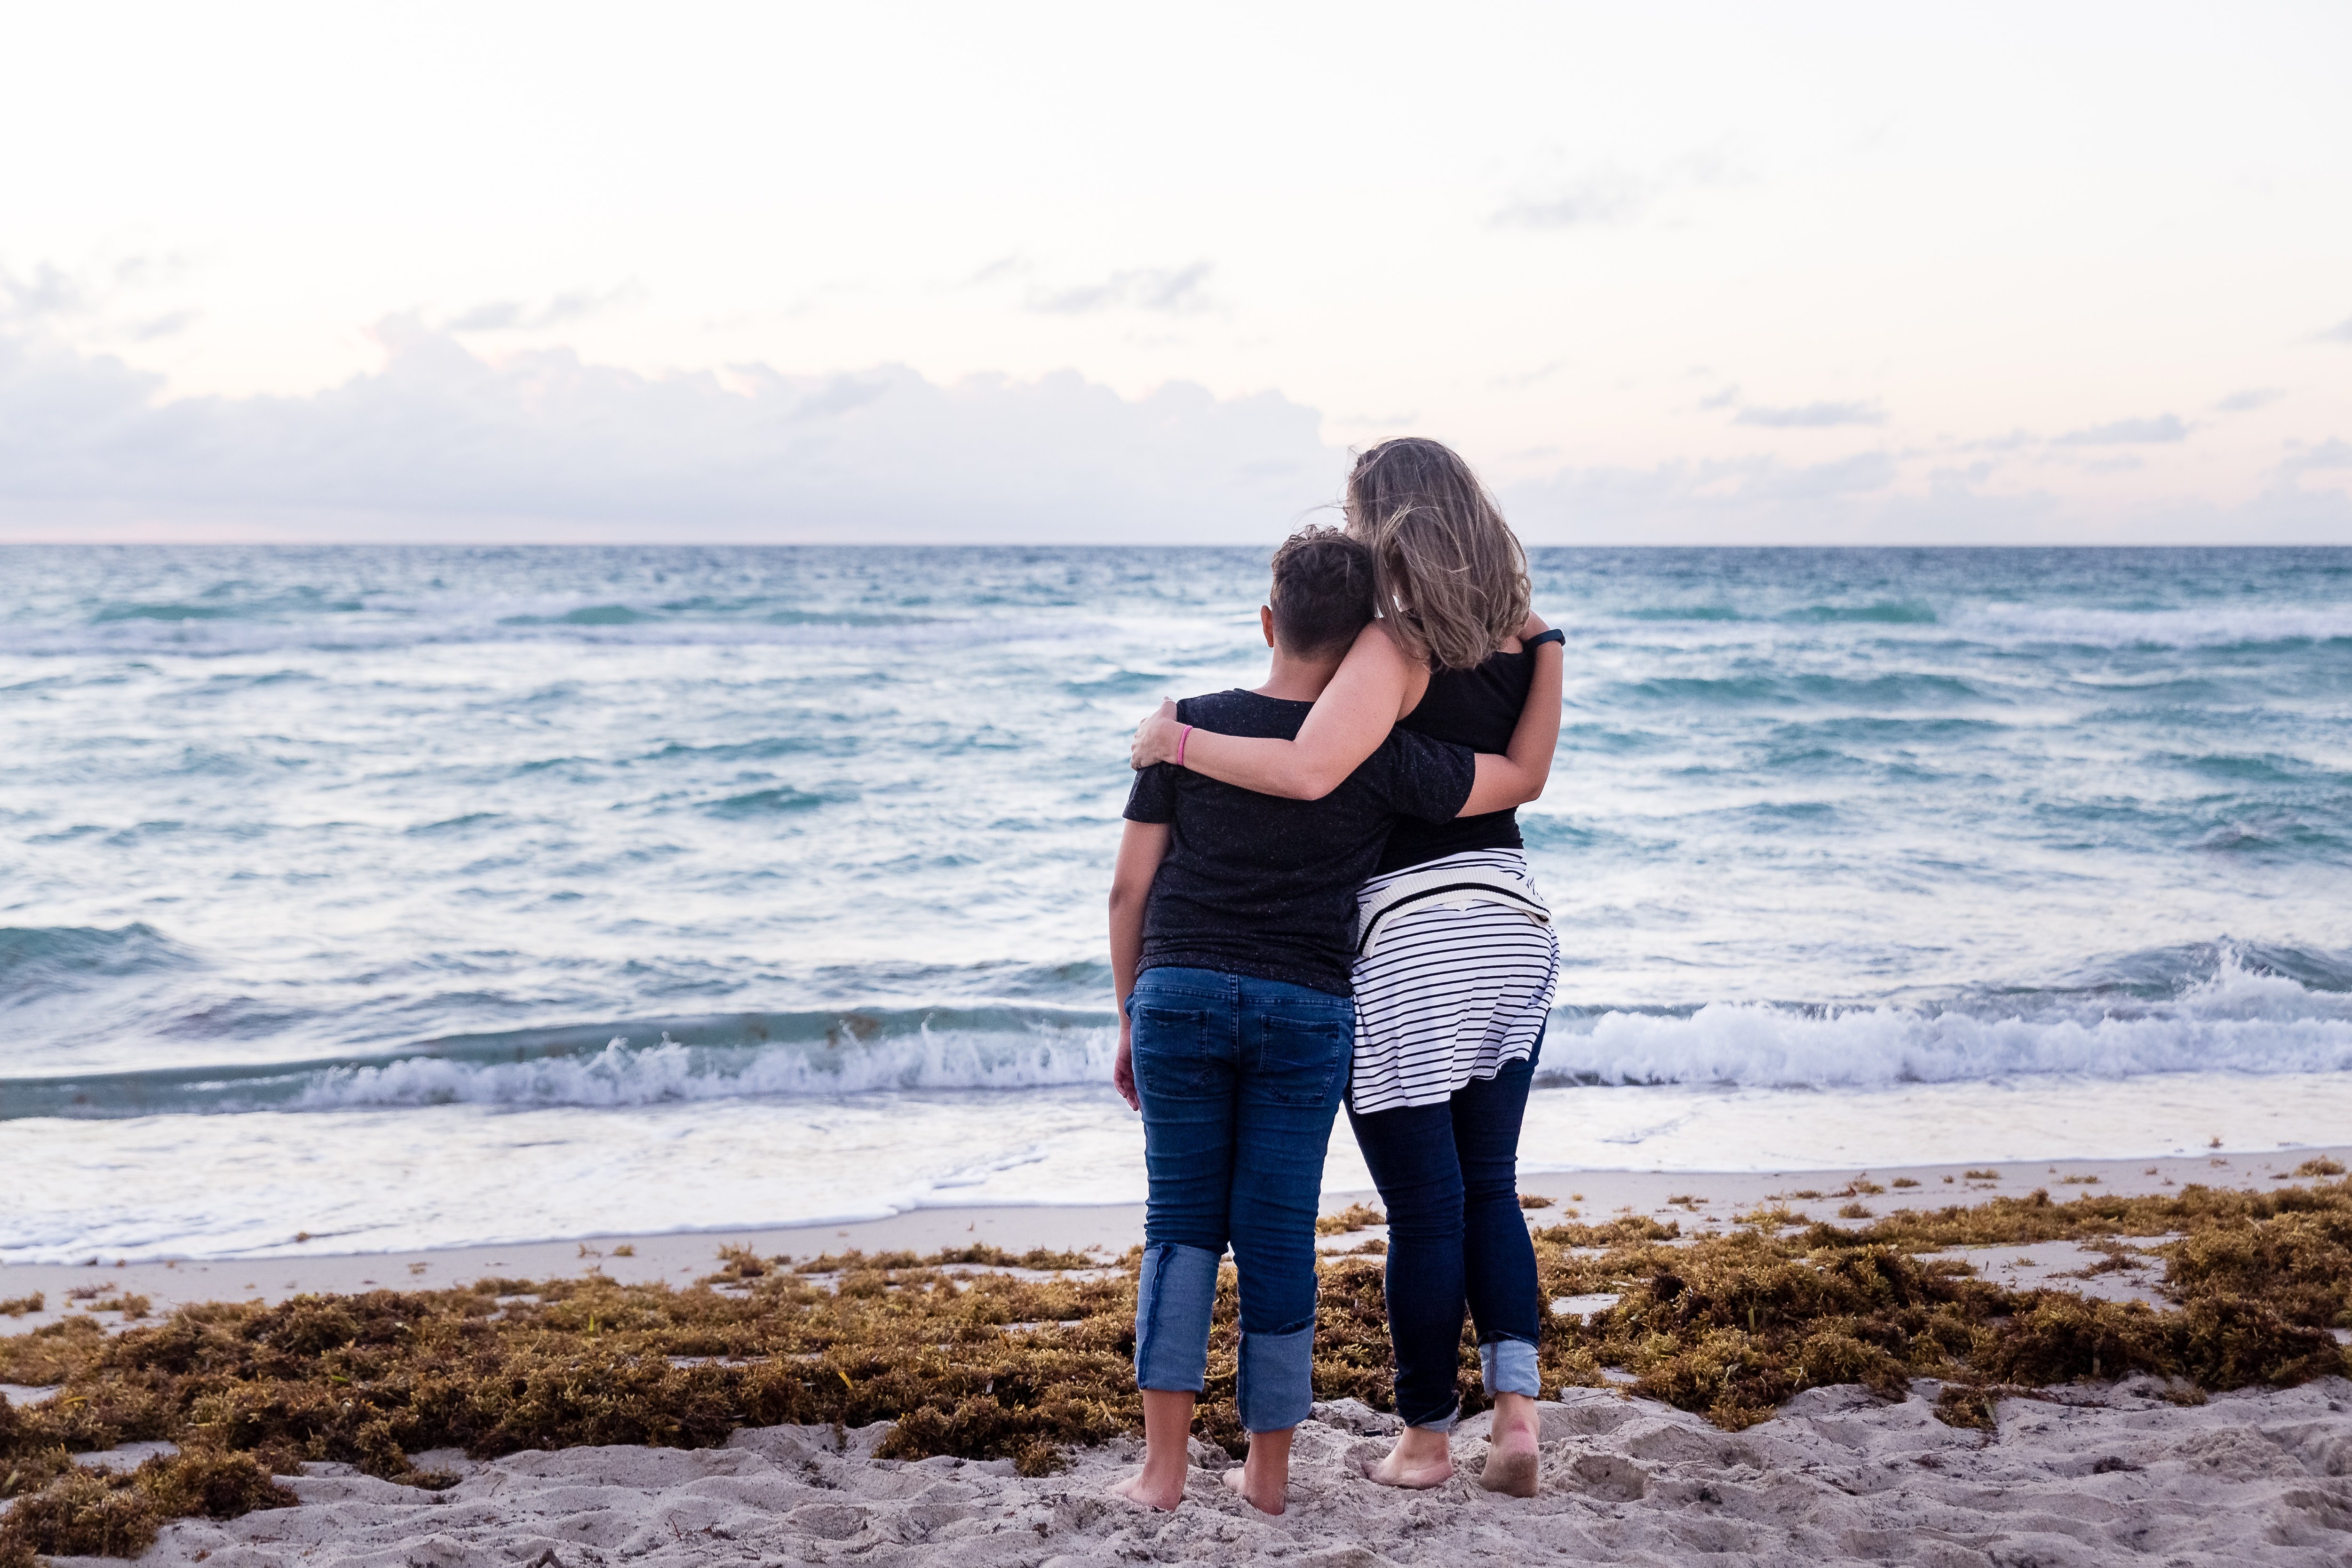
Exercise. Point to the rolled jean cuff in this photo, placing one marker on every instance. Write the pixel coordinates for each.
(1276, 1385)
(1441, 1423)
(1174, 1300)
(1509, 1367)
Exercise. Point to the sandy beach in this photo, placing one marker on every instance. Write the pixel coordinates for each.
(2109, 1477)
(2092, 1473)
(1699, 1201)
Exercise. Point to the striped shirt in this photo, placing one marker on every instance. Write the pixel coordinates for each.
(1452, 990)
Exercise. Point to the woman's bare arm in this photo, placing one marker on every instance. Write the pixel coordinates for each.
(1351, 717)
(1520, 776)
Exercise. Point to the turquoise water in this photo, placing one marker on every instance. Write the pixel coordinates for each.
(342, 852)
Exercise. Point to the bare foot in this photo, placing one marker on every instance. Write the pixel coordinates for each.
(1511, 1465)
(1238, 1478)
(1422, 1458)
(1138, 1490)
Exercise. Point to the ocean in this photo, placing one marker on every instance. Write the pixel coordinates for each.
(416, 897)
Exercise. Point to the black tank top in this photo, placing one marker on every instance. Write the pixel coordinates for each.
(1477, 708)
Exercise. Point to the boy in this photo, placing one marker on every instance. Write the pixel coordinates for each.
(1232, 918)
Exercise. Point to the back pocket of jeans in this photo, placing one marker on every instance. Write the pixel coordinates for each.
(1174, 1053)
(1302, 1057)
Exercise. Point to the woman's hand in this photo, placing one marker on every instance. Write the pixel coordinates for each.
(1156, 737)
(1122, 1071)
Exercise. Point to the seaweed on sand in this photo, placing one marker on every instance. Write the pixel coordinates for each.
(98, 1513)
(1732, 1325)
(967, 1358)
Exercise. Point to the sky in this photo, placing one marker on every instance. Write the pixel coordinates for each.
(1803, 273)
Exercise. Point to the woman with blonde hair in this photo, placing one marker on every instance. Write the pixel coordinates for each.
(1455, 961)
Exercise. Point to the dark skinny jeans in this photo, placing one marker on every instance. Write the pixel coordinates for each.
(1449, 1176)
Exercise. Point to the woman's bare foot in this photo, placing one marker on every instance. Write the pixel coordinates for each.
(1423, 1458)
(1511, 1465)
(1146, 1490)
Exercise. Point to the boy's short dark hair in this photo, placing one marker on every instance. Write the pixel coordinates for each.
(1322, 591)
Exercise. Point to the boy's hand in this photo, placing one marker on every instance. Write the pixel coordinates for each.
(1122, 1071)
(1155, 738)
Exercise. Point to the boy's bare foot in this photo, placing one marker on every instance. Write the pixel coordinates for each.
(1238, 1478)
(1511, 1465)
(1141, 1490)
(1422, 1458)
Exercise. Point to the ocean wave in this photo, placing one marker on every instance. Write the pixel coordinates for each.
(41, 961)
(2239, 1018)
(2218, 627)
(624, 1075)
(219, 631)
(647, 1062)
(1999, 625)
(2207, 1007)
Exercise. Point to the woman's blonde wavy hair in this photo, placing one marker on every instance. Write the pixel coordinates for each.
(1450, 576)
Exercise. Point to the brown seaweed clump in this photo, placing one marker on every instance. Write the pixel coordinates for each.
(1733, 1325)
(97, 1513)
(986, 1354)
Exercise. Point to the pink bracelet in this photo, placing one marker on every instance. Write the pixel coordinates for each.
(1180, 739)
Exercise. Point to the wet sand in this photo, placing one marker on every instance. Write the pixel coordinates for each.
(1697, 1201)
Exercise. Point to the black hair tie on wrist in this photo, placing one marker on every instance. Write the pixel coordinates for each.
(1550, 634)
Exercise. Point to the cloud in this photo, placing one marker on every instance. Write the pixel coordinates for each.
(100, 295)
(2341, 333)
(1607, 196)
(2161, 429)
(2332, 453)
(442, 443)
(1865, 500)
(512, 316)
(48, 293)
(2247, 401)
(1811, 416)
(1173, 291)
(1591, 201)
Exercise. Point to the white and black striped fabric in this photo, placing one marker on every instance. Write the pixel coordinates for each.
(1451, 989)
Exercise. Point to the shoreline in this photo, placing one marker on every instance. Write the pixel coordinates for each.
(1711, 1199)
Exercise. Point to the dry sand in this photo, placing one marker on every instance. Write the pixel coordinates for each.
(2086, 1475)
(2119, 1476)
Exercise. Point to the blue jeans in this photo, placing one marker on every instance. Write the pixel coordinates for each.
(1449, 1175)
(1239, 1080)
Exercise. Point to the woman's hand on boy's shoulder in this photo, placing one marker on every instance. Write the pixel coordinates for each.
(1156, 737)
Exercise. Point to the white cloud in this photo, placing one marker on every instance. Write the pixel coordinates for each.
(2247, 400)
(2159, 430)
(445, 443)
(1166, 291)
(2333, 452)
(1870, 499)
(441, 443)
(1811, 416)
(1606, 196)
(564, 310)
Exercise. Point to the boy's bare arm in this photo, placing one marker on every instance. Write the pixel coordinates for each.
(1140, 847)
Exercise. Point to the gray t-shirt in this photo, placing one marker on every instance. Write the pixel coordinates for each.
(1254, 884)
